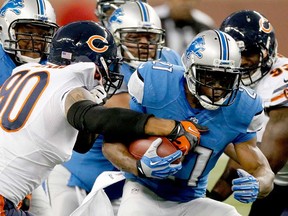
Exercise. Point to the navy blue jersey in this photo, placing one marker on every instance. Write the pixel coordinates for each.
(158, 88)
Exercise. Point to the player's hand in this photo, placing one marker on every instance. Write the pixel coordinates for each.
(246, 188)
(186, 135)
(153, 166)
(100, 94)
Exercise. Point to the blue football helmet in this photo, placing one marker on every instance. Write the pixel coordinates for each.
(87, 41)
(255, 36)
(212, 62)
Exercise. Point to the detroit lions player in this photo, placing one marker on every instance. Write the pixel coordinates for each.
(137, 31)
(207, 92)
(26, 31)
(81, 57)
(267, 73)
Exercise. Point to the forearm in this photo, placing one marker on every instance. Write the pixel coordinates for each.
(116, 124)
(119, 156)
(265, 177)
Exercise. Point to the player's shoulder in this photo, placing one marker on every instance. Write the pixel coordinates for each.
(171, 56)
(273, 87)
(154, 79)
(248, 101)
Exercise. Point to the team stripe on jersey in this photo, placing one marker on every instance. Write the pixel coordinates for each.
(143, 11)
(224, 51)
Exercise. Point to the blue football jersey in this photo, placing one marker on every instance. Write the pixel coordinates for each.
(85, 168)
(6, 65)
(158, 88)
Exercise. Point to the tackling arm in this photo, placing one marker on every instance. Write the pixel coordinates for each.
(255, 163)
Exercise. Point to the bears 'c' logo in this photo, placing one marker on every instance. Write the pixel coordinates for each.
(97, 49)
(265, 25)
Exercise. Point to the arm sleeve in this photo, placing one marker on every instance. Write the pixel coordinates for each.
(116, 124)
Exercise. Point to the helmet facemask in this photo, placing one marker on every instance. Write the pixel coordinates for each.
(213, 86)
(29, 41)
(139, 45)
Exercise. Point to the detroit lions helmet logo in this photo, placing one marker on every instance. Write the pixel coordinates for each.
(196, 47)
(12, 5)
(115, 17)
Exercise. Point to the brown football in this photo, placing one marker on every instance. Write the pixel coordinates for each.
(138, 147)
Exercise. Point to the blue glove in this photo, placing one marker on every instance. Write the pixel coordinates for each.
(153, 166)
(246, 188)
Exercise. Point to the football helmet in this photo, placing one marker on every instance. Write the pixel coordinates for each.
(212, 62)
(137, 30)
(37, 13)
(104, 8)
(87, 41)
(255, 36)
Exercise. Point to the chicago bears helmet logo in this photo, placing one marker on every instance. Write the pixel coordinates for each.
(12, 5)
(196, 47)
(97, 49)
(115, 17)
(265, 25)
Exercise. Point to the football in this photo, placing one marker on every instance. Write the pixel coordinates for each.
(138, 147)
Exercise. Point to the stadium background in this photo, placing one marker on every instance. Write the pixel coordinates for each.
(274, 10)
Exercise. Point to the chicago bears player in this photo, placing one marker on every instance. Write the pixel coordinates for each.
(207, 92)
(47, 110)
(267, 73)
(27, 28)
(137, 31)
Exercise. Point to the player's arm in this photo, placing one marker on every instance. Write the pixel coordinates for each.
(255, 163)
(275, 139)
(118, 124)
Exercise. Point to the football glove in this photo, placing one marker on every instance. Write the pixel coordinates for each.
(100, 94)
(186, 135)
(245, 188)
(153, 166)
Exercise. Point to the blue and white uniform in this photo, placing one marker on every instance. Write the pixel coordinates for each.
(164, 96)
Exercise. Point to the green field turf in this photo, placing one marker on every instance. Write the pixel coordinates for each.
(242, 208)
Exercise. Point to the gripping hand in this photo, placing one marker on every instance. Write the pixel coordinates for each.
(100, 94)
(246, 188)
(153, 166)
(186, 135)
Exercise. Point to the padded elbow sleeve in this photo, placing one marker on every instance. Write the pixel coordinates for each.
(116, 124)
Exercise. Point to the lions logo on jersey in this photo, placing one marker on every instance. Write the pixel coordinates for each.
(12, 5)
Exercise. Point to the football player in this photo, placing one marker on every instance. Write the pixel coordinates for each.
(26, 31)
(205, 91)
(139, 37)
(266, 71)
(47, 110)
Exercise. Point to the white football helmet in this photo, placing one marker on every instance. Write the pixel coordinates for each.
(212, 61)
(137, 18)
(31, 12)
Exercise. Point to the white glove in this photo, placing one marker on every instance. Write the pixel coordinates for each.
(100, 94)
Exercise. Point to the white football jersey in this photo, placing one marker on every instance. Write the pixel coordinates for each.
(273, 89)
(34, 132)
